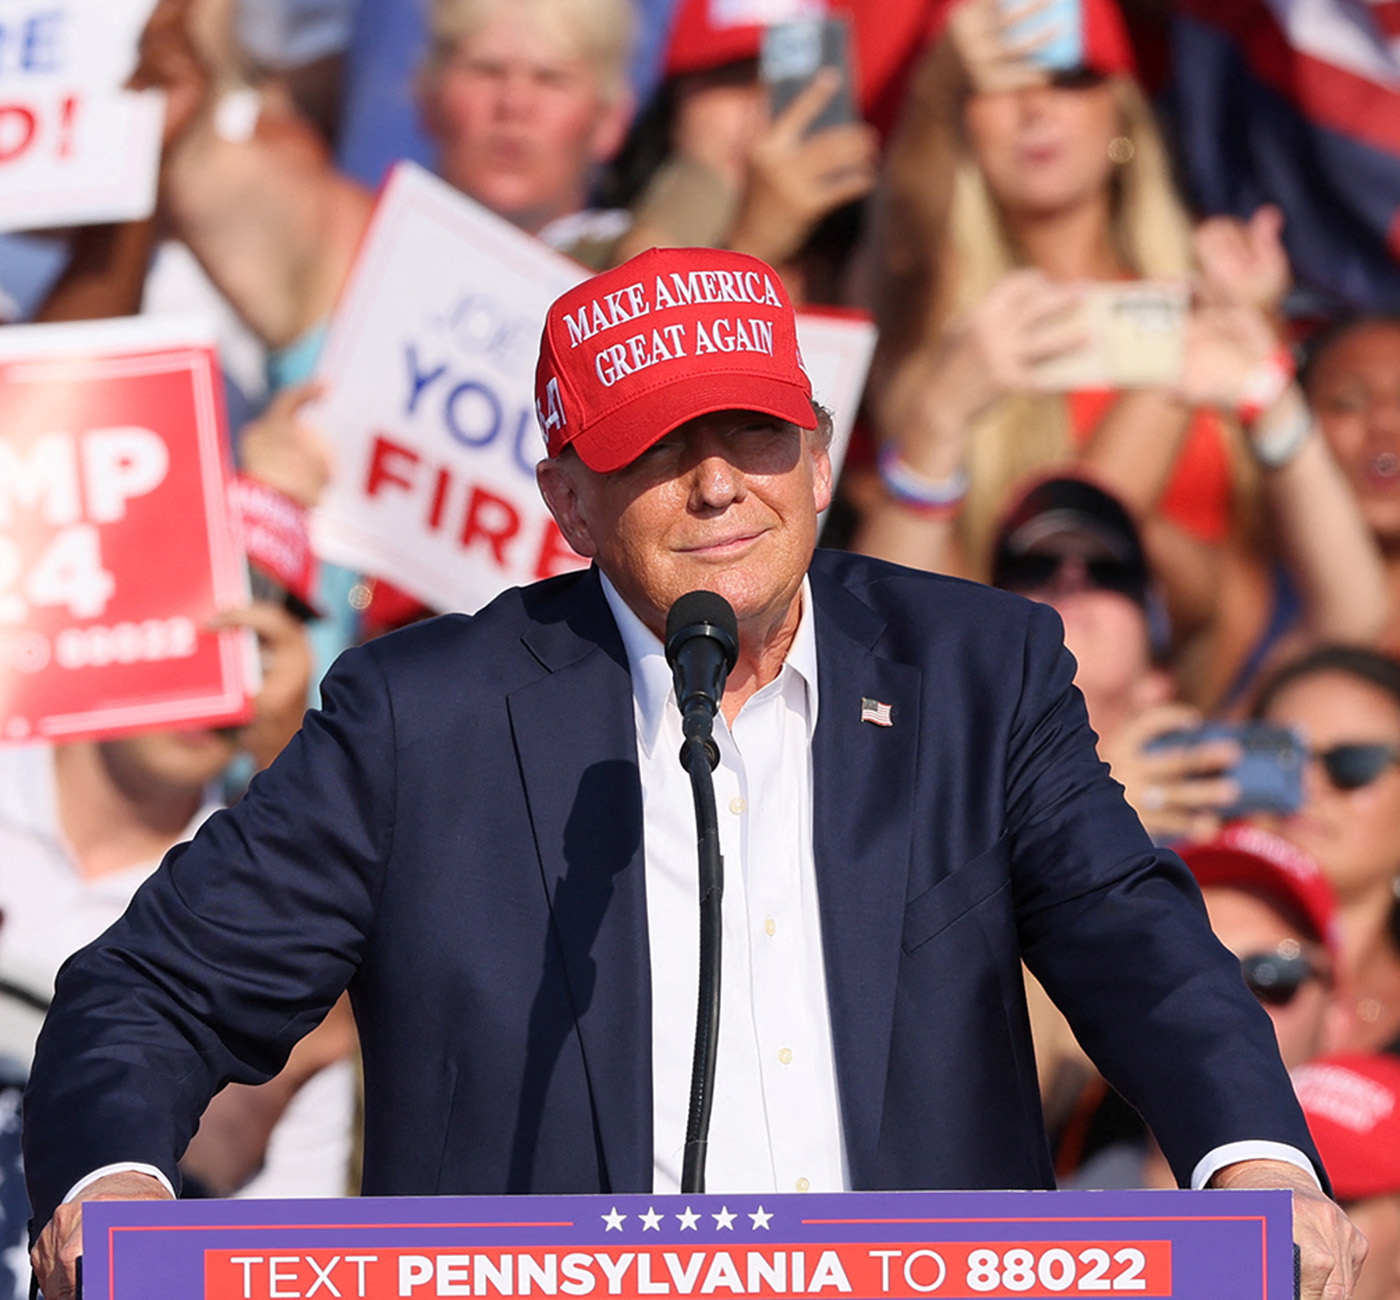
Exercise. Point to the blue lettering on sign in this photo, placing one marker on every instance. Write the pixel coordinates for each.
(462, 429)
(418, 379)
(528, 446)
(477, 323)
(471, 411)
(32, 43)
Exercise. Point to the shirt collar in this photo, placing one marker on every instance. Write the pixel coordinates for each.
(652, 687)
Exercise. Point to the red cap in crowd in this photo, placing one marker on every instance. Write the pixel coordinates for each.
(710, 33)
(671, 334)
(1252, 859)
(1107, 48)
(1352, 1103)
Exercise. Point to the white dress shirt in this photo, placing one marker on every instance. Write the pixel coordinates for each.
(776, 1123)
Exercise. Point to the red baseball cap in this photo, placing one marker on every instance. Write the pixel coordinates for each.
(1107, 48)
(1249, 858)
(671, 334)
(708, 34)
(1352, 1103)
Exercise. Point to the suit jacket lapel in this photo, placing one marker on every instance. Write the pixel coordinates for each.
(584, 795)
(863, 782)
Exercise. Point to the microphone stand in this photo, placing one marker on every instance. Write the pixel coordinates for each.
(700, 756)
(702, 646)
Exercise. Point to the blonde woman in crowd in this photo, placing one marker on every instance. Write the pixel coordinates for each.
(1009, 191)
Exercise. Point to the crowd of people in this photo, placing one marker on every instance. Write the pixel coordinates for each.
(1085, 391)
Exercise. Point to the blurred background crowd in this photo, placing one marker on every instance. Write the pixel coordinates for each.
(1136, 276)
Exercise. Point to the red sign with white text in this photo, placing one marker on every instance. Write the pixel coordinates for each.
(768, 1272)
(116, 541)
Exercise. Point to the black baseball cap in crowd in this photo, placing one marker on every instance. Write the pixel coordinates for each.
(1057, 516)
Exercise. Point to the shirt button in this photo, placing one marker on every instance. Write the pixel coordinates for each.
(785, 1055)
(770, 926)
(803, 1185)
(737, 805)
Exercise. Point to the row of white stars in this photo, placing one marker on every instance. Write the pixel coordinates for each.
(651, 1220)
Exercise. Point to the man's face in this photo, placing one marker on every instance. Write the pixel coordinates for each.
(727, 503)
(521, 118)
(171, 761)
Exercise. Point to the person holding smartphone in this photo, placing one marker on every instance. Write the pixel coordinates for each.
(1014, 194)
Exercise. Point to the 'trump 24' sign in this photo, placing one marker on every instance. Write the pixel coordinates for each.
(430, 369)
(116, 543)
(854, 1246)
(74, 146)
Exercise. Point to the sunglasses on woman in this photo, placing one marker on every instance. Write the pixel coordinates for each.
(1275, 977)
(1349, 767)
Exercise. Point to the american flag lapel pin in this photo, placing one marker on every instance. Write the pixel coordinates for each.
(874, 711)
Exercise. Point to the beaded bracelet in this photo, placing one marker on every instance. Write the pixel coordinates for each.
(933, 497)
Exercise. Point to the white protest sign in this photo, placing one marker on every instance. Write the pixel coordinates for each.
(429, 373)
(429, 369)
(837, 347)
(75, 148)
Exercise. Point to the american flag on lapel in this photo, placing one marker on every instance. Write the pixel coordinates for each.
(874, 711)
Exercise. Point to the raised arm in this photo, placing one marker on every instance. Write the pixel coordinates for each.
(251, 189)
(1332, 556)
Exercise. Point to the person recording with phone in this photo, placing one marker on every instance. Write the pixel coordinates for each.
(761, 144)
(1025, 223)
(485, 834)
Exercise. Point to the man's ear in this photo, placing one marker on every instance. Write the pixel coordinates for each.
(560, 491)
(821, 477)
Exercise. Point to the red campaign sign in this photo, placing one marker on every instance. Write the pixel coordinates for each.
(769, 1272)
(116, 540)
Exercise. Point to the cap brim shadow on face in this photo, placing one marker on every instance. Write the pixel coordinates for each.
(622, 435)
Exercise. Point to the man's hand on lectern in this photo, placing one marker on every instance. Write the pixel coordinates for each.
(1330, 1246)
(59, 1246)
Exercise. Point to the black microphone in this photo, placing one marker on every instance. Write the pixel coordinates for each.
(702, 645)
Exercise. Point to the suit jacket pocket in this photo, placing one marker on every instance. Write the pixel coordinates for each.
(955, 895)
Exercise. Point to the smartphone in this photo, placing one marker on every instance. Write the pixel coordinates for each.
(1059, 27)
(1270, 770)
(794, 51)
(1136, 338)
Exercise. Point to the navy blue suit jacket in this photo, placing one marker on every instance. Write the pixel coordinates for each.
(457, 837)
